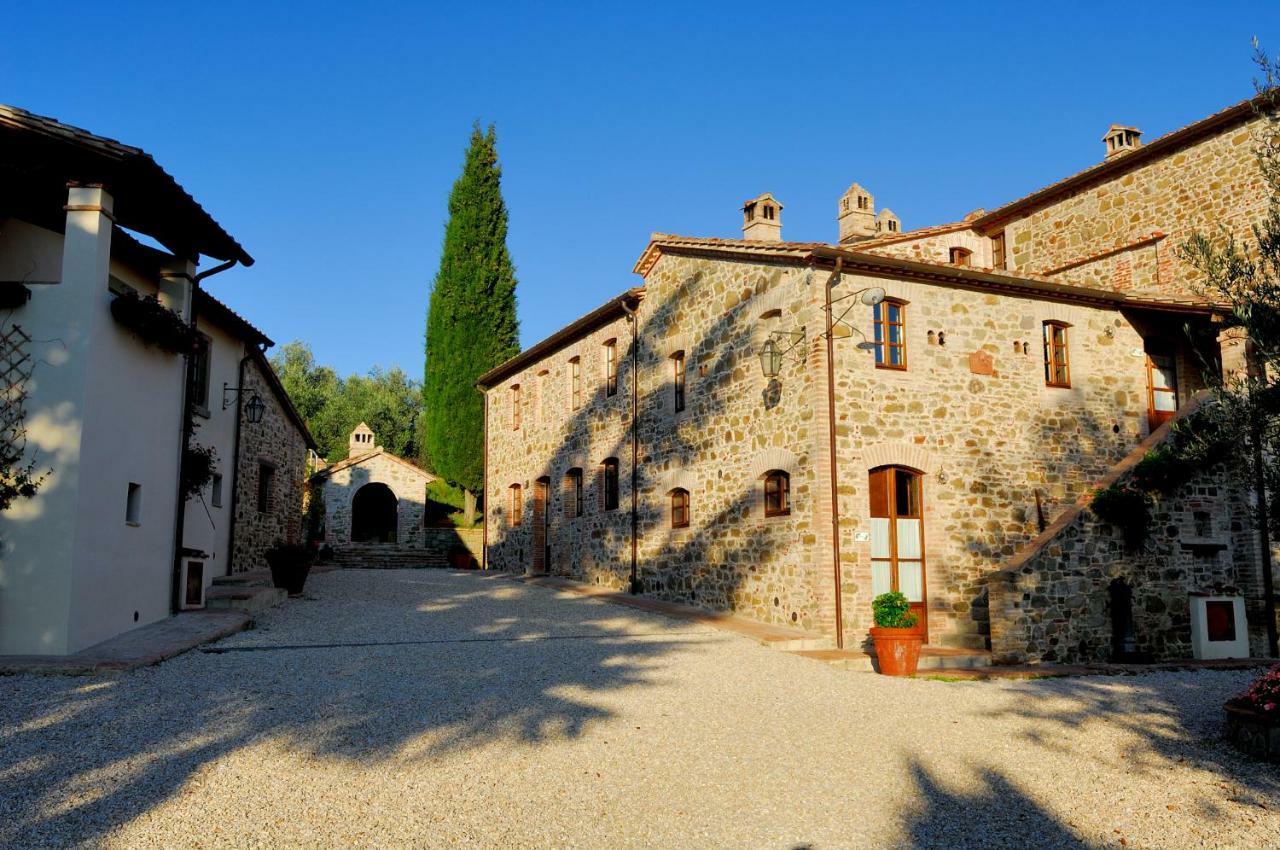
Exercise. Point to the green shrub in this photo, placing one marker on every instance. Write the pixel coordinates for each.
(893, 611)
(1126, 509)
(1162, 470)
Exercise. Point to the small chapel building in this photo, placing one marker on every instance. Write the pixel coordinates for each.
(372, 497)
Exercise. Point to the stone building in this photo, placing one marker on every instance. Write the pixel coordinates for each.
(372, 496)
(787, 429)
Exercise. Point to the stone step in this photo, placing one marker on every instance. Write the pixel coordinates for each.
(249, 599)
(932, 658)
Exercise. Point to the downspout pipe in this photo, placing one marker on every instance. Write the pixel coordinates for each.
(832, 279)
(484, 506)
(180, 515)
(635, 517)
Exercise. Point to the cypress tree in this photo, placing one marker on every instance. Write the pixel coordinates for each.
(471, 319)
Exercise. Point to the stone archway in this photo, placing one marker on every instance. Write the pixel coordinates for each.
(373, 514)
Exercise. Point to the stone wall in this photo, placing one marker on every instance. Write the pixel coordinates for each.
(278, 442)
(339, 485)
(1053, 602)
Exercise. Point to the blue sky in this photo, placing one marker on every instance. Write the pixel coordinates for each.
(326, 137)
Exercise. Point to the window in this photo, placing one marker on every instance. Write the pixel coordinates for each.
(215, 494)
(897, 534)
(573, 493)
(515, 407)
(544, 378)
(1057, 372)
(890, 332)
(768, 212)
(133, 505)
(893, 226)
(609, 473)
(516, 512)
(677, 380)
(575, 382)
(997, 251)
(862, 202)
(1162, 386)
(611, 367)
(777, 493)
(200, 376)
(679, 508)
(960, 256)
(266, 487)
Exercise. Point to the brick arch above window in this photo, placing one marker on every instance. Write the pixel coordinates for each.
(677, 342)
(675, 479)
(769, 459)
(901, 454)
(1065, 314)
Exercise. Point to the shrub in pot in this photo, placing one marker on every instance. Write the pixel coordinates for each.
(1253, 718)
(896, 638)
(290, 563)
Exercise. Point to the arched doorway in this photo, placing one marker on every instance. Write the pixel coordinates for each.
(373, 514)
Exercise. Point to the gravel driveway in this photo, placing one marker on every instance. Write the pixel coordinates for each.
(429, 708)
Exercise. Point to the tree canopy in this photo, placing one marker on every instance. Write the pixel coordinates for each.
(471, 319)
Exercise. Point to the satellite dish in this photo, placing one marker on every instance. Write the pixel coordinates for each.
(872, 297)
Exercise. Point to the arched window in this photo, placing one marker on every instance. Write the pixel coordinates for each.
(679, 508)
(677, 380)
(777, 493)
(897, 534)
(1057, 369)
(609, 484)
(890, 317)
(611, 367)
(515, 407)
(516, 512)
(573, 493)
(960, 256)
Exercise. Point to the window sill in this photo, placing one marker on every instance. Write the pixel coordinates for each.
(132, 524)
(200, 410)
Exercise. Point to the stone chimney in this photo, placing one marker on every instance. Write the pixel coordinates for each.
(1121, 140)
(762, 219)
(887, 224)
(361, 441)
(857, 215)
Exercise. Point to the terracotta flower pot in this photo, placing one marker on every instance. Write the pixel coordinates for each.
(897, 650)
(1252, 731)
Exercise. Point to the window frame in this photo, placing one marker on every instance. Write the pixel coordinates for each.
(1052, 363)
(201, 374)
(575, 383)
(679, 382)
(782, 496)
(266, 487)
(574, 506)
(680, 508)
(611, 368)
(610, 495)
(881, 325)
(999, 260)
(515, 407)
(960, 256)
(515, 505)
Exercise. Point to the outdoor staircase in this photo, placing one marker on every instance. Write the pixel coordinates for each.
(386, 556)
(250, 592)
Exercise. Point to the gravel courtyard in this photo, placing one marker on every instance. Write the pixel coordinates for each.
(429, 708)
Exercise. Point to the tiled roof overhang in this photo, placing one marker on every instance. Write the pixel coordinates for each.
(40, 156)
(605, 313)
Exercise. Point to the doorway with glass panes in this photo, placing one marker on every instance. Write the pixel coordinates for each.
(897, 537)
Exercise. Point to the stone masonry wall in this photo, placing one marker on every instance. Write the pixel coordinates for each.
(1053, 604)
(408, 483)
(276, 441)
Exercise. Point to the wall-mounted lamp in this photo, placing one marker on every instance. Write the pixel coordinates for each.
(771, 353)
(253, 409)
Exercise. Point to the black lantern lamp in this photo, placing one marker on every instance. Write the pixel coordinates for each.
(253, 409)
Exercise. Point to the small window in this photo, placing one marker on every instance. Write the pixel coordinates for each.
(515, 407)
(862, 202)
(544, 378)
(575, 382)
(609, 474)
(573, 493)
(890, 318)
(679, 508)
(997, 251)
(777, 493)
(133, 505)
(266, 487)
(677, 379)
(960, 256)
(516, 511)
(215, 491)
(1057, 370)
(611, 367)
(893, 226)
(200, 375)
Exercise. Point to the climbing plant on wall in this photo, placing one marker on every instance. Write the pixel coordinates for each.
(18, 477)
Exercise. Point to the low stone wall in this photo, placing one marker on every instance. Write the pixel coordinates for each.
(439, 542)
(1053, 601)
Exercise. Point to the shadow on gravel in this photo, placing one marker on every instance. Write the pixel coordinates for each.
(998, 815)
(79, 756)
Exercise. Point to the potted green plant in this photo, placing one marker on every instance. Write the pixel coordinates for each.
(1253, 718)
(290, 564)
(895, 636)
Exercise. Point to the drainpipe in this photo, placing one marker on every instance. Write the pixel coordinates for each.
(235, 461)
(635, 347)
(180, 521)
(484, 504)
(831, 434)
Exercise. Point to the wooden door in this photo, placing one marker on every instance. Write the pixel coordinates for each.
(1162, 386)
(897, 537)
(541, 540)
